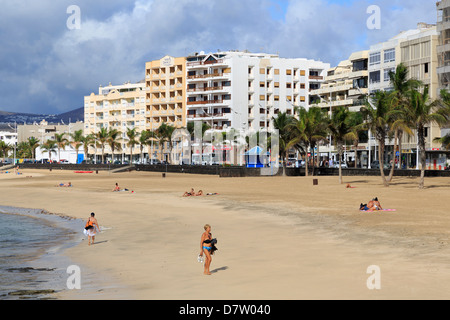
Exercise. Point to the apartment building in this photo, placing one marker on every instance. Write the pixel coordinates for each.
(243, 90)
(166, 92)
(443, 48)
(343, 86)
(120, 107)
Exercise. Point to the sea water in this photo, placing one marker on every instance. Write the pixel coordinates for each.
(31, 241)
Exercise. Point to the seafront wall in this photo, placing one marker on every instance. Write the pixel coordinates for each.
(229, 171)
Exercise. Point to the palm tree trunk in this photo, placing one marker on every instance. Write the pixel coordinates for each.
(340, 162)
(381, 161)
(391, 173)
(421, 136)
(306, 163)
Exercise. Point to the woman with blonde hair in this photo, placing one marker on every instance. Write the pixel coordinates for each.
(207, 246)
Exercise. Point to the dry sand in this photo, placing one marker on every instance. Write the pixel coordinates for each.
(278, 237)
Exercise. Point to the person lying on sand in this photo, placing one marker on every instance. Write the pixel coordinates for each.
(67, 185)
(188, 194)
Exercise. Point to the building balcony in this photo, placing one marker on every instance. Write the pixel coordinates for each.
(204, 63)
(206, 89)
(191, 103)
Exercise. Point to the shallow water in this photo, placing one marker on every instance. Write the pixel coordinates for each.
(31, 240)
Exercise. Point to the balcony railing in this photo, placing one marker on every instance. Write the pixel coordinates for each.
(203, 76)
(204, 115)
(201, 63)
(205, 89)
(205, 102)
(315, 78)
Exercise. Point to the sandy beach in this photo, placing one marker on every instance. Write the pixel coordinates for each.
(279, 238)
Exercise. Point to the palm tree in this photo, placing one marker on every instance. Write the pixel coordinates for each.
(164, 134)
(101, 137)
(4, 148)
(24, 150)
(113, 137)
(341, 128)
(61, 142)
(88, 141)
(283, 123)
(355, 121)
(144, 140)
(445, 140)
(421, 111)
(77, 140)
(310, 128)
(49, 146)
(401, 87)
(132, 141)
(377, 119)
(33, 143)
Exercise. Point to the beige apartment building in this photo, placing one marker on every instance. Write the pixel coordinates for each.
(165, 81)
(343, 86)
(120, 107)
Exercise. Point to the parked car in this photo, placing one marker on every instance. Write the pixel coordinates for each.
(63, 161)
(376, 165)
(343, 165)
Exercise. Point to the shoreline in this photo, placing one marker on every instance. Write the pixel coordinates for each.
(276, 241)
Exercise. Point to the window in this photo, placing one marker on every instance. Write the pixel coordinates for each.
(276, 98)
(261, 84)
(262, 71)
(302, 86)
(288, 72)
(386, 74)
(302, 99)
(374, 58)
(302, 72)
(389, 55)
(426, 67)
(359, 65)
(276, 84)
(277, 71)
(288, 85)
(262, 97)
(374, 77)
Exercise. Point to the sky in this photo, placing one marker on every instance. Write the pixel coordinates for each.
(51, 57)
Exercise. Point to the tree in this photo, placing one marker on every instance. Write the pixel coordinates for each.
(376, 115)
(4, 149)
(77, 140)
(310, 128)
(401, 87)
(445, 140)
(88, 141)
(49, 146)
(341, 128)
(420, 112)
(33, 143)
(101, 138)
(132, 141)
(282, 123)
(113, 141)
(164, 134)
(61, 143)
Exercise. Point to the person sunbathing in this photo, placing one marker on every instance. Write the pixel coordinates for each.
(189, 194)
(65, 184)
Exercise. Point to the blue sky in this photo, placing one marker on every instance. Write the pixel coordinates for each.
(47, 68)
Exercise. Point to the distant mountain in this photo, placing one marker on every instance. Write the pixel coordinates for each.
(20, 118)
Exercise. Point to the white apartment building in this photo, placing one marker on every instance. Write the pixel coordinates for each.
(243, 90)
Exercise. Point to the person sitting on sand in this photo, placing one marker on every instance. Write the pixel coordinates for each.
(375, 204)
(188, 194)
(116, 188)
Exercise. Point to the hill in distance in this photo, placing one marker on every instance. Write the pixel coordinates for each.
(29, 118)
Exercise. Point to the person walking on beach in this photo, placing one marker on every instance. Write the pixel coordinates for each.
(207, 247)
(92, 228)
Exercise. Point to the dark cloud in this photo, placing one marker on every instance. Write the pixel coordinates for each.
(47, 68)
